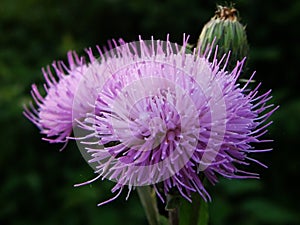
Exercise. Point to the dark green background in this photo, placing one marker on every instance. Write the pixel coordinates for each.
(36, 179)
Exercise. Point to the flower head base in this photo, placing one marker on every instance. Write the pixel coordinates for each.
(163, 117)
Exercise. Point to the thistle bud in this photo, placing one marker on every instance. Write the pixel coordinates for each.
(229, 34)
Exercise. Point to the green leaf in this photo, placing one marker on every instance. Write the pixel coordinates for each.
(195, 213)
(148, 200)
(163, 220)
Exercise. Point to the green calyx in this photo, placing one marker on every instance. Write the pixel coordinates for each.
(228, 33)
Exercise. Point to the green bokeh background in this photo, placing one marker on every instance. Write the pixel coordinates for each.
(37, 180)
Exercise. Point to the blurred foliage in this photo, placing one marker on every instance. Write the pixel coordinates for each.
(37, 179)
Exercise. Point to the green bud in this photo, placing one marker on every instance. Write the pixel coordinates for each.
(229, 34)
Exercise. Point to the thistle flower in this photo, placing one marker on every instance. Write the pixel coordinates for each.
(167, 118)
(54, 115)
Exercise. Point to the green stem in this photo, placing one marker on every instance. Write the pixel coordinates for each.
(148, 200)
(174, 217)
(172, 206)
(195, 212)
(203, 216)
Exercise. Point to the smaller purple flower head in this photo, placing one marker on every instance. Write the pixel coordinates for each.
(53, 115)
(167, 118)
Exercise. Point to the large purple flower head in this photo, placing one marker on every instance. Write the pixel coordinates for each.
(168, 118)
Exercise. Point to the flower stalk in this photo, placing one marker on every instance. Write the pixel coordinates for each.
(172, 206)
(148, 200)
(174, 217)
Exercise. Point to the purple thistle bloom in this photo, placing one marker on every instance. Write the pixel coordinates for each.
(167, 118)
(55, 115)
